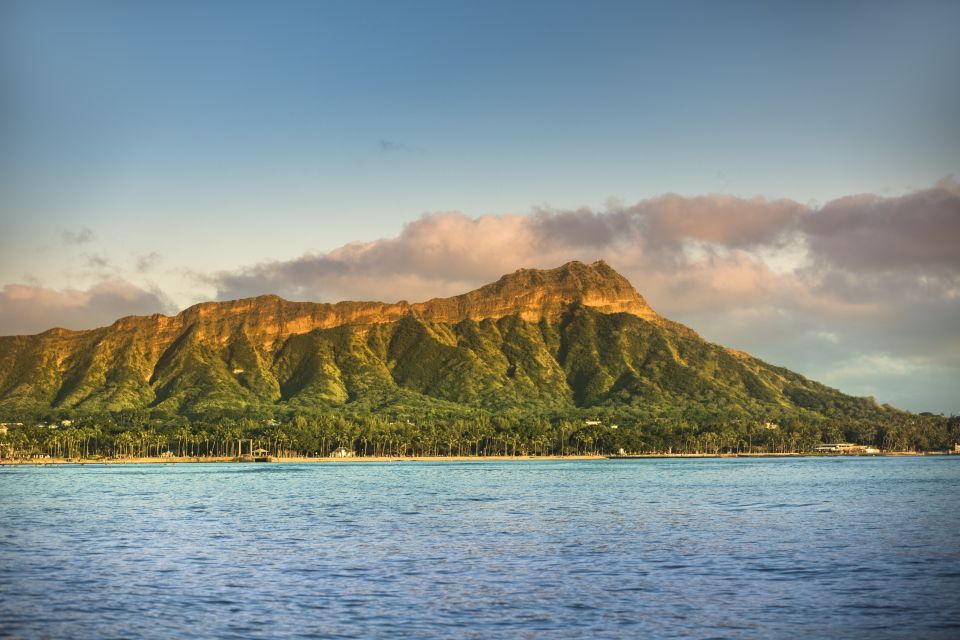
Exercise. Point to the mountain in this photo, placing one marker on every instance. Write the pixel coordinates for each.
(570, 339)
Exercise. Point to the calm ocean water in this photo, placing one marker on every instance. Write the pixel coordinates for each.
(732, 548)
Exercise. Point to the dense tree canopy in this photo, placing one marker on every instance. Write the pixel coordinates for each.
(137, 433)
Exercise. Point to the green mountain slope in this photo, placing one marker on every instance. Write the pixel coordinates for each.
(553, 341)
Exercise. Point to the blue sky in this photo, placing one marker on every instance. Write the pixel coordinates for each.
(168, 145)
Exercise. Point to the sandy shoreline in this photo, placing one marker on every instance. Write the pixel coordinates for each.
(367, 459)
(274, 460)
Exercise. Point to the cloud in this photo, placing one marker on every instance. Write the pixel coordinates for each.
(97, 261)
(83, 236)
(697, 252)
(867, 365)
(586, 228)
(671, 220)
(440, 254)
(393, 146)
(717, 219)
(919, 230)
(148, 261)
(26, 309)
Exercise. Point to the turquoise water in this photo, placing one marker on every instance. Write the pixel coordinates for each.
(738, 548)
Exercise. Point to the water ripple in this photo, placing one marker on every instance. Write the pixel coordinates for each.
(561, 549)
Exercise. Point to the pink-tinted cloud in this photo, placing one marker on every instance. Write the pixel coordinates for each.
(665, 222)
(26, 309)
(436, 255)
(717, 219)
(919, 230)
(688, 252)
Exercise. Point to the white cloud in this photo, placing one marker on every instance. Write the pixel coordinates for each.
(26, 309)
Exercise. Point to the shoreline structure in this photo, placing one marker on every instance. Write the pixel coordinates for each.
(362, 459)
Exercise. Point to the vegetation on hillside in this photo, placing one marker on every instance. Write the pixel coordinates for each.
(565, 377)
(442, 432)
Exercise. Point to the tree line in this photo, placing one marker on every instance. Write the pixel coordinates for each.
(144, 434)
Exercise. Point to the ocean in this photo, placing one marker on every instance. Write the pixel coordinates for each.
(655, 548)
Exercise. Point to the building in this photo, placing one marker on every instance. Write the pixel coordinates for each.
(5, 426)
(839, 447)
(846, 447)
(342, 453)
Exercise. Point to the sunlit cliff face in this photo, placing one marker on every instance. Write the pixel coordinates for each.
(531, 294)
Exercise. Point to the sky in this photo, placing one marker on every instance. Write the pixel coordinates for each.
(782, 177)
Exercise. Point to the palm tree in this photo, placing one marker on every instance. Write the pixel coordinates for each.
(161, 441)
(183, 435)
(123, 443)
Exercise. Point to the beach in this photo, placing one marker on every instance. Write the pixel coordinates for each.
(381, 459)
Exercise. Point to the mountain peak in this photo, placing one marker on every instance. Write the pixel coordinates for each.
(534, 294)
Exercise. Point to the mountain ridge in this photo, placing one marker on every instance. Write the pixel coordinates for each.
(557, 340)
(512, 294)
